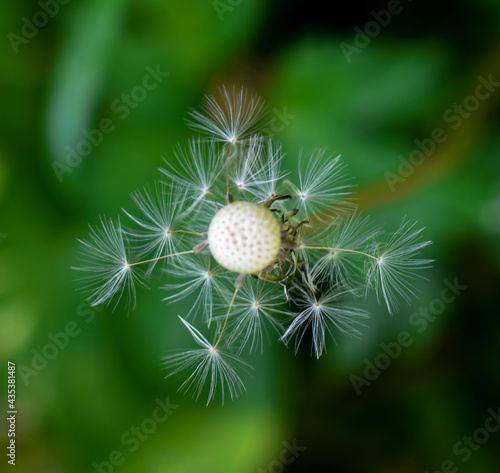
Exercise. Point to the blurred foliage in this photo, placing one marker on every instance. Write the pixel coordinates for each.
(68, 77)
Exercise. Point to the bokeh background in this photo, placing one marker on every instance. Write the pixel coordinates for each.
(366, 97)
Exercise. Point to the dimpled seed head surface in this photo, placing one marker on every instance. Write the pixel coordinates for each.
(244, 237)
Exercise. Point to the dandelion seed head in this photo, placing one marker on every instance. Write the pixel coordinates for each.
(244, 237)
(306, 248)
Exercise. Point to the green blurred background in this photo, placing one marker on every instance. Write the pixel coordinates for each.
(60, 80)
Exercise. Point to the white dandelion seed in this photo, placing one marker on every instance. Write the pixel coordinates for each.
(195, 275)
(394, 269)
(258, 172)
(323, 315)
(161, 211)
(232, 119)
(109, 272)
(322, 190)
(270, 187)
(343, 250)
(197, 170)
(256, 306)
(207, 365)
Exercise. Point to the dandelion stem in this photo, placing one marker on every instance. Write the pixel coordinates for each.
(227, 318)
(185, 231)
(345, 250)
(261, 290)
(211, 194)
(308, 284)
(161, 257)
(227, 172)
